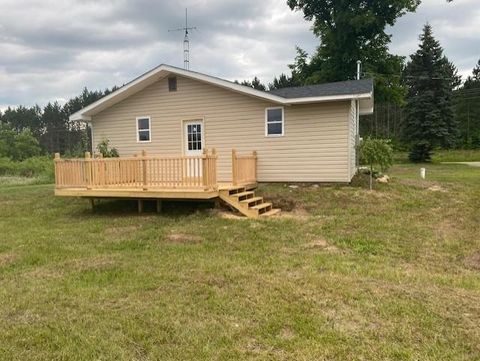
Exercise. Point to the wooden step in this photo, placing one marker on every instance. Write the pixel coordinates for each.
(249, 201)
(236, 190)
(246, 202)
(263, 207)
(271, 212)
(248, 194)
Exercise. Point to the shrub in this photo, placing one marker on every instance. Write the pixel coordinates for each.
(37, 166)
(376, 152)
(31, 167)
(104, 150)
(18, 146)
(26, 145)
(8, 167)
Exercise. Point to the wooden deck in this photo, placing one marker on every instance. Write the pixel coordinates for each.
(150, 193)
(155, 178)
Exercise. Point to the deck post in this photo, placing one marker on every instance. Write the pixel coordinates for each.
(92, 203)
(144, 168)
(88, 170)
(159, 205)
(140, 205)
(214, 168)
(234, 167)
(205, 168)
(57, 172)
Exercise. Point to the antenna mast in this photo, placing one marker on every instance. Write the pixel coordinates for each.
(186, 42)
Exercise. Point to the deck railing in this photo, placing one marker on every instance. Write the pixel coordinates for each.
(143, 171)
(244, 168)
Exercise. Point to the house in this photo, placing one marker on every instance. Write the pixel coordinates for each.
(300, 134)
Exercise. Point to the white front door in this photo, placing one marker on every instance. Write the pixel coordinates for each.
(193, 143)
(193, 137)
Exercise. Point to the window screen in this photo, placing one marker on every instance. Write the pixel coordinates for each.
(143, 129)
(274, 119)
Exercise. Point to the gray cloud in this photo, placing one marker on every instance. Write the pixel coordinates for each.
(51, 49)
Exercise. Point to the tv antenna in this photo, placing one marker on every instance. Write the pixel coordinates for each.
(186, 41)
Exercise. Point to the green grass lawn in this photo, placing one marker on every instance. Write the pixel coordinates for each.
(342, 274)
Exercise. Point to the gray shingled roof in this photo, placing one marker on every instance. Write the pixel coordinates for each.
(338, 88)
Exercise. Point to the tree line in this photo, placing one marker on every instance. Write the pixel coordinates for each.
(30, 131)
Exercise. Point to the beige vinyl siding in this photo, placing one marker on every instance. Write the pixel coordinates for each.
(315, 146)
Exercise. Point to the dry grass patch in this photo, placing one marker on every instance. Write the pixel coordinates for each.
(8, 258)
(473, 261)
(121, 232)
(184, 238)
(90, 263)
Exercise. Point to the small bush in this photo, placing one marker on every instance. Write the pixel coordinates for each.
(105, 151)
(376, 152)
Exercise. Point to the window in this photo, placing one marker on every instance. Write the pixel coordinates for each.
(143, 129)
(172, 84)
(194, 136)
(274, 122)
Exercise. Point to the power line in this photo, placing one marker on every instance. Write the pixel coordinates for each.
(410, 76)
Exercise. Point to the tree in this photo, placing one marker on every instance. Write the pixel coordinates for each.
(22, 117)
(17, 145)
(282, 81)
(430, 79)
(355, 30)
(467, 110)
(255, 84)
(376, 152)
(26, 146)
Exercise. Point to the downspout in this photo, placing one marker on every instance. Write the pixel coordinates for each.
(89, 124)
(357, 119)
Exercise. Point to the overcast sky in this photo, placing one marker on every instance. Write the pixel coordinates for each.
(51, 49)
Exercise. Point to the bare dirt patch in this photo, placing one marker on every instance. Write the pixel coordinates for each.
(284, 203)
(436, 188)
(121, 231)
(7, 258)
(184, 238)
(298, 213)
(473, 261)
(89, 263)
(321, 243)
(287, 333)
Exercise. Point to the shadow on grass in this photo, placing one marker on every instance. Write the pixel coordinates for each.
(127, 207)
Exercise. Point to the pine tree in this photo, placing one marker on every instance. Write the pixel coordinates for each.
(467, 109)
(430, 79)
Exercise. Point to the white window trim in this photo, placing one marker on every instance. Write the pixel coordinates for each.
(282, 122)
(149, 129)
